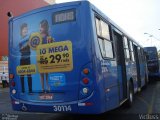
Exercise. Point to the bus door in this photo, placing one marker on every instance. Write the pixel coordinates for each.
(121, 64)
(136, 53)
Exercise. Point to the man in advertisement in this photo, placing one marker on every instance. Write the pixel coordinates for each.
(25, 55)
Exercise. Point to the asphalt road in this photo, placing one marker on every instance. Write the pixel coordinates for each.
(146, 105)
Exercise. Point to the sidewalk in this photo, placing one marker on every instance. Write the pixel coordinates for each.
(4, 90)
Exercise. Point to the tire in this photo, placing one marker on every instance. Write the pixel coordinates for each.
(131, 96)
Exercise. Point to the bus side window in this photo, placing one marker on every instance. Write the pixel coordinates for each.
(139, 55)
(131, 51)
(126, 48)
(104, 41)
(102, 47)
(98, 27)
(108, 49)
(105, 30)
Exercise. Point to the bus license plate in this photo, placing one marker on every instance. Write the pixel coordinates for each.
(46, 96)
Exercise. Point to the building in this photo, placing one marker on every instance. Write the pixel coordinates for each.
(17, 7)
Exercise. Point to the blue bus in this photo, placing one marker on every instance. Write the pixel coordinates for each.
(72, 58)
(152, 61)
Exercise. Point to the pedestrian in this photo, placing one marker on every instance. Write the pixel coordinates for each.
(4, 81)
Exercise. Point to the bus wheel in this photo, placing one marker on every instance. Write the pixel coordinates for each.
(131, 96)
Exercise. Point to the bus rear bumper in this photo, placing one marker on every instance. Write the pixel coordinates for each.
(86, 106)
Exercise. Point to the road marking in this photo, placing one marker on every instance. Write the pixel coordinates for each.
(149, 105)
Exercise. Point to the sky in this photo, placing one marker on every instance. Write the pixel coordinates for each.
(136, 17)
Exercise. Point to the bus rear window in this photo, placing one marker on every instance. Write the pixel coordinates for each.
(64, 16)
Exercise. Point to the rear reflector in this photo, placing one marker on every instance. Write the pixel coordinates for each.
(85, 104)
(88, 104)
(15, 102)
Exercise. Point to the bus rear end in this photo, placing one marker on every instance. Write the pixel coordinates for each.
(50, 62)
(152, 61)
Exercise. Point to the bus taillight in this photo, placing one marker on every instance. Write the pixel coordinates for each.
(13, 84)
(85, 80)
(86, 71)
(85, 90)
(14, 91)
(11, 76)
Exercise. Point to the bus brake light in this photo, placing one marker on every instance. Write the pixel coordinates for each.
(13, 84)
(85, 80)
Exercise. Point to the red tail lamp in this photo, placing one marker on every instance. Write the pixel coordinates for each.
(85, 80)
(13, 84)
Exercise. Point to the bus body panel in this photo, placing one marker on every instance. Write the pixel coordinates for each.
(67, 98)
(72, 81)
(77, 38)
(106, 72)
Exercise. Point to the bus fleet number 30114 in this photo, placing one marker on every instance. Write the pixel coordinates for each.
(59, 108)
